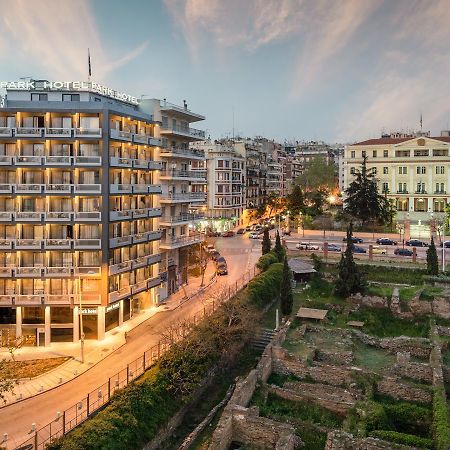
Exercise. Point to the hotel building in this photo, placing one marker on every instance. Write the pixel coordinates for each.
(79, 213)
(413, 171)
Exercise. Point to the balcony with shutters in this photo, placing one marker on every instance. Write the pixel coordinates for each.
(189, 175)
(183, 197)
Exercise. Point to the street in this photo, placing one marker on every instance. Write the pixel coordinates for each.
(241, 254)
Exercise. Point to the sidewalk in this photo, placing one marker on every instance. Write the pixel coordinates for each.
(94, 351)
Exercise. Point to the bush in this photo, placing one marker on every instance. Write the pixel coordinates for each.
(388, 274)
(441, 428)
(405, 439)
(375, 417)
(266, 286)
(266, 260)
(409, 418)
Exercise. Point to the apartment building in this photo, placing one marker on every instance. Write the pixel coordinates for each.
(226, 185)
(183, 199)
(306, 151)
(79, 209)
(413, 171)
(293, 168)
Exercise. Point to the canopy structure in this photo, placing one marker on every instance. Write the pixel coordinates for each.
(311, 313)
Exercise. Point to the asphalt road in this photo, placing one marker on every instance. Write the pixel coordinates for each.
(241, 254)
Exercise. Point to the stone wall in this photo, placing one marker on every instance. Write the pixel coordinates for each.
(338, 440)
(400, 390)
(371, 301)
(408, 369)
(340, 358)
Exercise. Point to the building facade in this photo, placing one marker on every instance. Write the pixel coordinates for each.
(412, 171)
(79, 213)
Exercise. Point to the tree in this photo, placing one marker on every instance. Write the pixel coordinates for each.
(363, 202)
(8, 377)
(278, 247)
(286, 298)
(296, 201)
(318, 174)
(350, 279)
(266, 244)
(432, 259)
(317, 265)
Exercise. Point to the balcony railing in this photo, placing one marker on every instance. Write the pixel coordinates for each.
(119, 294)
(117, 161)
(88, 132)
(59, 271)
(121, 135)
(185, 131)
(121, 215)
(182, 240)
(120, 241)
(181, 218)
(29, 132)
(58, 188)
(200, 174)
(88, 216)
(28, 160)
(141, 138)
(88, 189)
(120, 189)
(6, 160)
(59, 132)
(88, 160)
(29, 216)
(28, 188)
(180, 196)
(28, 244)
(60, 216)
(87, 244)
(58, 160)
(6, 132)
(6, 188)
(182, 152)
(58, 244)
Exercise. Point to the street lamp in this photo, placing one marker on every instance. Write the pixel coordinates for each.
(80, 313)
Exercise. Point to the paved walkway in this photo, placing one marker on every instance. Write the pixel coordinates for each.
(94, 351)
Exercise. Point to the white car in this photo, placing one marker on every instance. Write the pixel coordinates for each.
(306, 246)
(254, 235)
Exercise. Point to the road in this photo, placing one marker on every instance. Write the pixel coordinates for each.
(241, 254)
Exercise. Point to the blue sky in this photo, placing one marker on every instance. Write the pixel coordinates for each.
(296, 69)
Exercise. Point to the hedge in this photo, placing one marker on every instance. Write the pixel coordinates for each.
(267, 260)
(266, 286)
(441, 420)
(402, 438)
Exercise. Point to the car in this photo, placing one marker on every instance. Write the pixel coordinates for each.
(248, 228)
(210, 248)
(357, 249)
(253, 235)
(222, 269)
(403, 252)
(416, 243)
(228, 233)
(306, 246)
(333, 248)
(240, 231)
(214, 255)
(220, 260)
(378, 250)
(355, 240)
(446, 244)
(212, 234)
(385, 241)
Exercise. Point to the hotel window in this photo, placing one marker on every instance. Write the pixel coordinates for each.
(421, 152)
(385, 170)
(403, 170)
(440, 170)
(374, 153)
(385, 187)
(439, 205)
(39, 97)
(421, 170)
(440, 188)
(374, 170)
(402, 188)
(352, 154)
(71, 97)
(363, 153)
(385, 153)
(421, 188)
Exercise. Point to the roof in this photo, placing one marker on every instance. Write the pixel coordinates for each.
(387, 141)
(355, 323)
(311, 313)
(299, 266)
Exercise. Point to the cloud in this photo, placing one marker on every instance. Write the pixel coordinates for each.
(55, 35)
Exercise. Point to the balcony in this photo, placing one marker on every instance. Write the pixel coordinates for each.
(33, 272)
(31, 160)
(139, 237)
(90, 161)
(88, 133)
(175, 152)
(6, 188)
(6, 132)
(62, 216)
(60, 299)
(6, 244)
(140, 188)
(58, 244)
(116, 161)
(140, 163)
(180, 219)
(28, 244)
(153, 259)
(58, 188)
(28, 216)
(154, 189)
(154, 142)
(92, 271)
(28, 188)
(172, 242)
(121, 293)
(88, 216)
(87, 244)
(154, 212)
(6, 160)
(6, 300)
(32, 299)
(184, 132)
(139, 262)
(88, 188)
(59, 132)
(141, 138)
(121, 135)
(154, 235)
(184, 174)
(26, 132)
(120, 215)
(58, 160)
(6, 216)
(120, 189)
(154, 165)
(153, 282)
(174, 197)
(58, 272)
(139, 287)
(6, 272)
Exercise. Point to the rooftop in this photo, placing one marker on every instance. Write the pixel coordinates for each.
(311, 313)
(389, 140)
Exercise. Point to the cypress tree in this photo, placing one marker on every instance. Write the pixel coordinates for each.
(266, 244)
(432, 259)
(286, 298)
(350, 279)
(279, 250)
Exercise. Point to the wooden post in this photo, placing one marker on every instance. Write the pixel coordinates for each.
(159, 349)
(36, 440)
(128, 373)
(109, 388)
(87, 406)
(143, 359)
(64, 421)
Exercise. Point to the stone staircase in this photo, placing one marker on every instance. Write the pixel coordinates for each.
(263, 338)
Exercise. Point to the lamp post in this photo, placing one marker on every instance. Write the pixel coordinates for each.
(80, 313)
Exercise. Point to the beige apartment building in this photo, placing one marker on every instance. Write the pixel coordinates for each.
(413, 171)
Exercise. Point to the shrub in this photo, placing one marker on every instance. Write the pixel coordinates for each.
(409, 418)
(441, 428)
(375, 417)
(266, 260)
(402, 438)
(266, 286)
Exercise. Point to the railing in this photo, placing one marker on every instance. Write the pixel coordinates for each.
(28, 160)
(60, 216)
(88, 188)
(88, 132)
(183, 152)
(88, 160)
(117, 161)
(59, 132)
(88, 216)
(58, 160)
(100, 396)
(61, 188)
(177, 240)
(122, 135)
(29, 132)
(6, 132)
(192, 132)
(182, 218)
(184, 173)
(183, 196)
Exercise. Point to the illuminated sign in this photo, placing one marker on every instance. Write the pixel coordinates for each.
(112, 307)
(89, 311)
(90, 86)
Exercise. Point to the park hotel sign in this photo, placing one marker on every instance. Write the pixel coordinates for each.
(90, 86)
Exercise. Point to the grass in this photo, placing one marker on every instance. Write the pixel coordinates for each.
(406, 294)
(379, 291)
(33, 367)
(430, 292)
(372, 358)
(312, 437)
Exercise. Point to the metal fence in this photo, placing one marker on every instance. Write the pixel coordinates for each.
(99, 397)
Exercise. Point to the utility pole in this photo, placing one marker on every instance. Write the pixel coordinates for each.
(80, 313)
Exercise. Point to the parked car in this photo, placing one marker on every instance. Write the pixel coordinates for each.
(210, 248)
(355, 240)
(222, 269)
(248, 228)
(240, 231)
(306, 246)
(253, 235)
(386, 241)
(378, 250)
(446, 244)
(212, 234)
(220, 260)
(416, 243)
(403, 252)
(357, 249)
(214, 255)
(333, 248)
(228, 234)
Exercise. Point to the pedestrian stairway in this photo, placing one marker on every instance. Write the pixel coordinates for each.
(263, 338)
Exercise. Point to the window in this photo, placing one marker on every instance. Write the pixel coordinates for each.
(402, 153)
(440, 188)
(385, 188)
(363, 153)
(385, 153)
(440, 152)
(352, 170)
(421, 170)
(71, 97)
(385, 170)
(420, 188)
(374, 170)
(403, 170)
(374, 153)
(421, 152)
(440, 170)
(353, 154)
(39, 97)
(402, 189)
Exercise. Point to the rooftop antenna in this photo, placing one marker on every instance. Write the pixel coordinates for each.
(421, 122)
(89, 66)
(232, 109)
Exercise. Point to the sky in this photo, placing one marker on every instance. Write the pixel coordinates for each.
(339, 71)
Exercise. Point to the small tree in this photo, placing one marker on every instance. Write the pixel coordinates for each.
(266, 244)
(317, 264)
(286, 298)
(432, 259)
(350, 279)
(278, 247)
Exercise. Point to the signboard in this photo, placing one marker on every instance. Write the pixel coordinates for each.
(112, 307)
(90, 86)
(89, 311)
